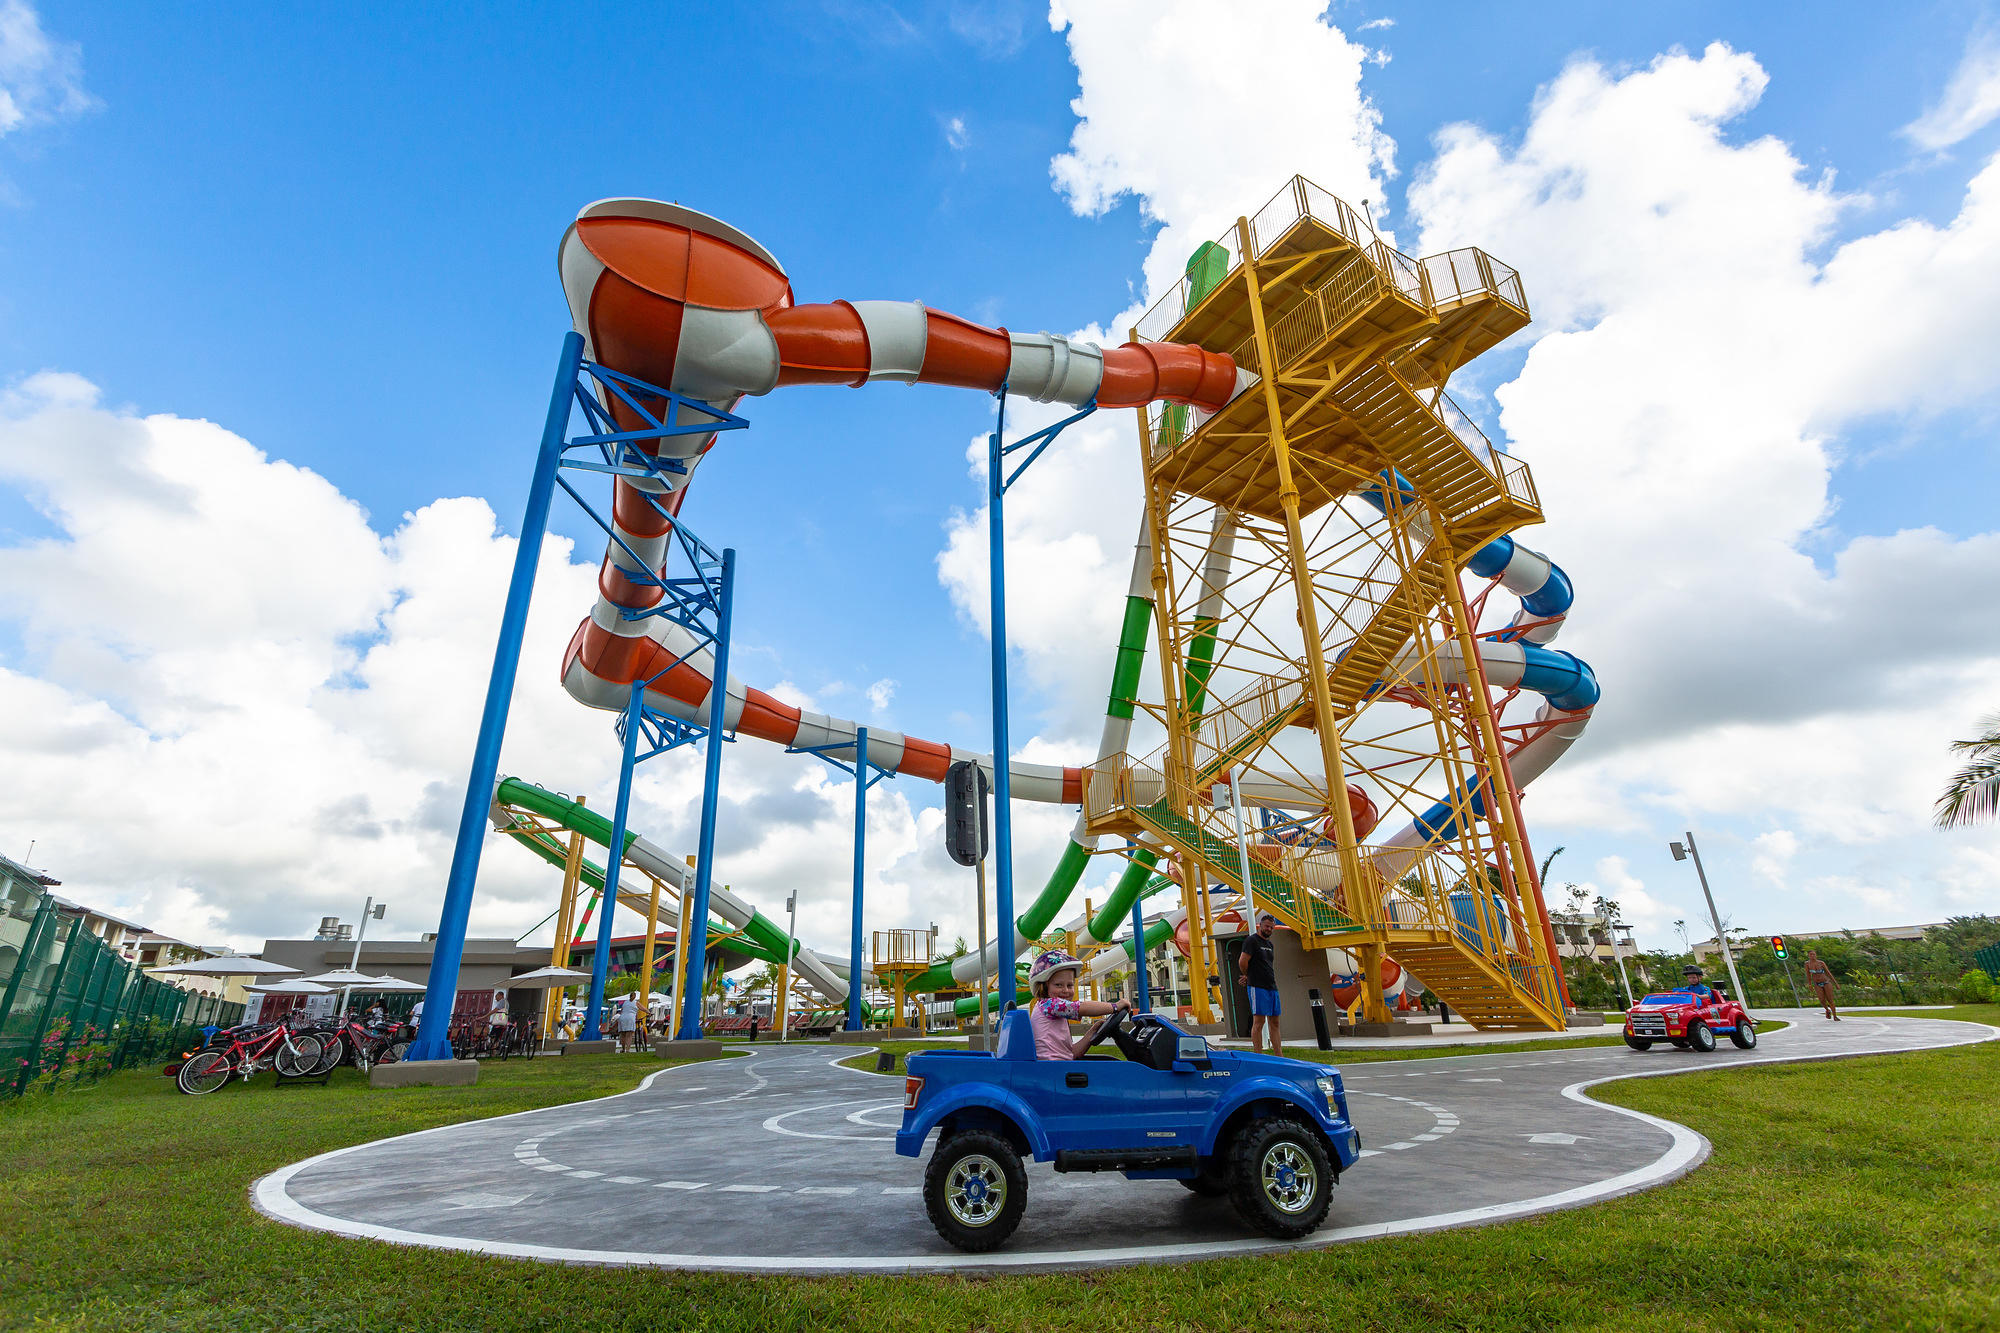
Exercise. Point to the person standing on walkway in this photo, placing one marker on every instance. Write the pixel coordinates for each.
(497, 1023)
(1257, 965)
(1821, 980)
(625, 1022)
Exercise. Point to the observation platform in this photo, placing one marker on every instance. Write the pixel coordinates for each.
(1363, 338)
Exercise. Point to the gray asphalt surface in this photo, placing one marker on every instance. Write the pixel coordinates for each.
(781, 1160)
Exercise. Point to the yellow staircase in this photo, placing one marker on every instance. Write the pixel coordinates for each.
(1478, 988)
(1356, 345)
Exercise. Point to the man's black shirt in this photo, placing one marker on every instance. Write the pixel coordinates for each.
(1261, 954)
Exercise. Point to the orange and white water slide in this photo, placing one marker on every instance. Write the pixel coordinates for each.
(682, 300)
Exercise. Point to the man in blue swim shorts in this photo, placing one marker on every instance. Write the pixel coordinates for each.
(1260, 977)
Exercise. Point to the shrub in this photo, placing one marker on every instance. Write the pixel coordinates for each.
(1975, 987)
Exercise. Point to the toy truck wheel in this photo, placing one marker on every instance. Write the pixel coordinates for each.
(1700, 1036)
(1744, 1035)
(975, 1190)
(1638, 1043)
(1280, 1178)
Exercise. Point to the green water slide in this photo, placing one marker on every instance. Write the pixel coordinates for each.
(592, 876)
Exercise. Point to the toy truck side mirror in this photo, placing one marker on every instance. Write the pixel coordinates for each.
(1190, 1055)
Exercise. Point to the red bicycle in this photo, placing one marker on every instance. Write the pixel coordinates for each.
(248, 1051)
(380, 1045)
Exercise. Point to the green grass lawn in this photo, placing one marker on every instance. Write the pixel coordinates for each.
(902, 1050)
(1852, 1194)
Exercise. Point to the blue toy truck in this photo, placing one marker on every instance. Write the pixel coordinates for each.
(1269, 1132)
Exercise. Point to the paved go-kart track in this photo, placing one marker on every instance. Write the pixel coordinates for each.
(782, 1161)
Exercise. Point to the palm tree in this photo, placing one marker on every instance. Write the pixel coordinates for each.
(1973, 794)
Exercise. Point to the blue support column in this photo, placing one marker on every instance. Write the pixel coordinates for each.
(441, 993)
(1003, 808)
(696, 944)
(854, 938)
(1142, 998)
(600, 962)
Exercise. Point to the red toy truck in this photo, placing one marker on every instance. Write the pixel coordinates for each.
(1682, 1018)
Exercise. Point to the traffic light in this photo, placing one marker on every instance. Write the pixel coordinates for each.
(1778, 947)
(965, 823)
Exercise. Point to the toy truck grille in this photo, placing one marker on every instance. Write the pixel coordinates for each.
(1649, 1025)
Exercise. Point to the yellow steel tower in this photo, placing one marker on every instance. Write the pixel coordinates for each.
(1313, 631)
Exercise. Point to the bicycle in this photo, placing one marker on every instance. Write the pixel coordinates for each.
(367, 1046)
(249, 1050)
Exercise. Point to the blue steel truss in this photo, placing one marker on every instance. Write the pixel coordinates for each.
(998, 481)
(866, 773)
(699, 601)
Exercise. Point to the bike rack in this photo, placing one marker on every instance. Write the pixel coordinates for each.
(287, 1081)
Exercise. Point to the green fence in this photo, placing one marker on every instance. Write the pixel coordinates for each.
(72, 1010)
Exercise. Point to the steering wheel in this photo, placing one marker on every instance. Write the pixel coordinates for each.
(1130, 1043)
(1108, 1026)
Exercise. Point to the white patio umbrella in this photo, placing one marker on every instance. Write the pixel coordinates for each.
(545, 978)
(340, 976)
(347, 979)
(292, 986)
(228, 965)
(386, 983)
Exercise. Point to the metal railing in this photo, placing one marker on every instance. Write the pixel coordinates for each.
(1353, 288)
(1458, 274)
(1173, 303)
(1516, 480)
(1297, 199)
(1438, 280)
(893, 948)
(1116, 783)
(1464, 427)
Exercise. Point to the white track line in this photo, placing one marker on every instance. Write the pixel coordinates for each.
(1687, 1151)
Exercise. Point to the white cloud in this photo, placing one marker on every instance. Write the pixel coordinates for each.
(41, 79)
(1647, 915)
(1169, 93)
(1373, 25)
(236, 706)
(1165, 90)
(996, 28)
(1701, 357)
(1970, 102)
(1703, 345)
(956, 135)
(1774, 853)
(1684, 418)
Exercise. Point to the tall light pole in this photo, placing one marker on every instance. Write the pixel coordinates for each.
(1682, 853)
(1619, 959)
(785, 973)
(368, 908)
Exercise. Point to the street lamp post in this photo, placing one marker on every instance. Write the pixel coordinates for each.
(368, 908)
(1682, 853)
(1619, 959)
(785, 973)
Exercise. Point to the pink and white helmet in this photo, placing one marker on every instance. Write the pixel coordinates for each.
(1050, 963)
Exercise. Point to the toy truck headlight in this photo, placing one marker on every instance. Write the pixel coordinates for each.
(1329, 1088)
(912, 1089)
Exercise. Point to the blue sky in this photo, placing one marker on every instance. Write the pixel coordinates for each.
(336, 239)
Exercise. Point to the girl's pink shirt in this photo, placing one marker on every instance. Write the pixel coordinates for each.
(1051, 1019)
